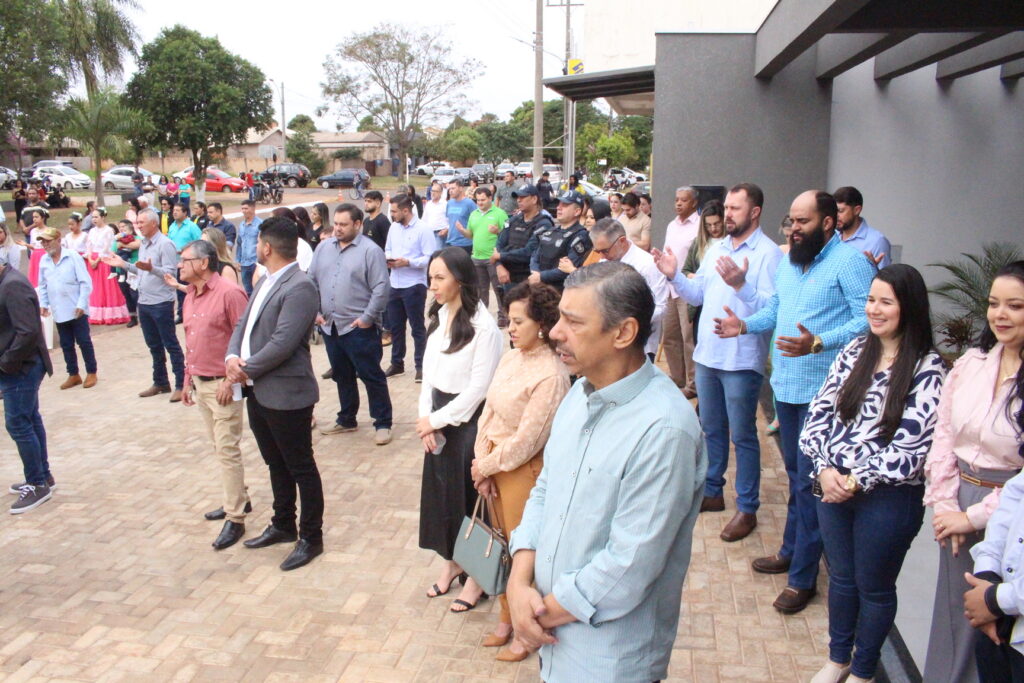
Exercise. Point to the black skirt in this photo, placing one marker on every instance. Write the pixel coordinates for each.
(447, 495)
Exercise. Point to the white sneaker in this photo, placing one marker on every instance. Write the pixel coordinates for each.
(382, 437)
(832, 673)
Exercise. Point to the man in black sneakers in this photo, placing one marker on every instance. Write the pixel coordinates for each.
(23, 360)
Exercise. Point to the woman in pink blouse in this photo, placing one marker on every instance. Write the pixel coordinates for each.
(527, 389)
(977, 448)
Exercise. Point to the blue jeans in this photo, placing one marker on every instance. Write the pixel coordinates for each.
(862, 567)
(407, 303)
(801, 540)
(23, 421)
(358, 354)
(75, 331)
(157, 323)
(728, 402)
(247, 273)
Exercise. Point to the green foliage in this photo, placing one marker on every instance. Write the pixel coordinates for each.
(207, 98)
(462, 144)
(500, 141)
(347, 153)
(100, 36)
(301, 122)
(641, 130)
(971, 278)
(102, 123)
(367, 124)
(956, 331)
(32, 37)
(554, 122)
(400, 77)
(300, 149)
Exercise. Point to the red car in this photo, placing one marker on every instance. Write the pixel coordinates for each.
(219, 181)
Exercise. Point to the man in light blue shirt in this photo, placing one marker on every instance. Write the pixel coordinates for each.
(817, 308)
(729, 372)
(607, 530)
(856, 232)
(458, 209)
(408, 249)
(64, 289)
(248, 233)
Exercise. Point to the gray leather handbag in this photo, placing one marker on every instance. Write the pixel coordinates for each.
(482, 551)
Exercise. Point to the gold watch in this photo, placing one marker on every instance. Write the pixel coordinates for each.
(851, 484)
(817, 346)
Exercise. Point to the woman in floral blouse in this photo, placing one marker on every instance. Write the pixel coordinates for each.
(527, 388)
(868, 431)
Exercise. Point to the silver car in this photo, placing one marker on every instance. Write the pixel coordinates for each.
(65, 176)
(120, 177)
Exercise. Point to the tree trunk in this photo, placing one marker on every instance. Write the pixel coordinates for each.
(99, 181)
(199, 174)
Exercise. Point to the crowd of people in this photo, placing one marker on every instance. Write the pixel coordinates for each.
(594, 463)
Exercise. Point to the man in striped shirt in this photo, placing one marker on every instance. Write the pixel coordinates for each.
(818, 307)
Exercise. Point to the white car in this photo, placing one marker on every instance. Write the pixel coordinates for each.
(120, 177)
(554, 172)
(524, 169)
(592, 189)
(431, 167)
(444, 175)
(65, 176)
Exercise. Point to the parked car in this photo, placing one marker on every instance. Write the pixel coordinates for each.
(554, 172)
(47, 163)
(445, 175)
(292, 175)
(592, 189)
(431, 167)
(7, 177)
(501, 169)
(485, 172)
(633, 175)
(626, 176)
(120, 177)
(65, 176)
(468, 174)
(643, 187)
(524, 169)
(344, 177)
(219, 181)
(182, 174)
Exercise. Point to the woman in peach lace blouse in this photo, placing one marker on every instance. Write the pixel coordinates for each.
(976, 449)
(527, 388)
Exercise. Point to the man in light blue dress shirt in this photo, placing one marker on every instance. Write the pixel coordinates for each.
(729, 372)
(817, 308)
(248, 233)
(607, 530)
(856, 232)
(64, 289)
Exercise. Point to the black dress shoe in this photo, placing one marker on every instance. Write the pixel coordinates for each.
(214, 515)
(270, 536)
(132, 323)
(229, 535)
(302, 555)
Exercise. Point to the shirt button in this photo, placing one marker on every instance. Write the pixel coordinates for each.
(573, 475)
(1009, 570)
(586, 431)
(549, 559)
(612, 404)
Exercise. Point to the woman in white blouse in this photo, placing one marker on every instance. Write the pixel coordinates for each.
(868, 432)
(464, 346)
(76, 238)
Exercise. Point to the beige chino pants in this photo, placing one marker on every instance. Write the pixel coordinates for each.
(224, 426)
(678, 344)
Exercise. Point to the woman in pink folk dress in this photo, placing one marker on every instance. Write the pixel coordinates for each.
(106, 303)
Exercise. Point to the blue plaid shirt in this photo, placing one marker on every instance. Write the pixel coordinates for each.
(828, 299)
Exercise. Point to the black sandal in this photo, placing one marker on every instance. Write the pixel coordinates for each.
(468, 606)
(461, 578)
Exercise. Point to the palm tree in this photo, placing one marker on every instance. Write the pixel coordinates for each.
(99, 37)
(101, 124)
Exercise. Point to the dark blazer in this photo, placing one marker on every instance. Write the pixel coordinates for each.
(280, 366)
(21, 332)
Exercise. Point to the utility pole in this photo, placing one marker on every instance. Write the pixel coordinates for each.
(284, 126)
(538, 94)
(569, 107)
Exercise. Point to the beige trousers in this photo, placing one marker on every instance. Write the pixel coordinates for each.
(678, 344)
(513, 491)
(224, 426)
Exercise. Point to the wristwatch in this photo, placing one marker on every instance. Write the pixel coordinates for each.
(851, 484)
(817, 346)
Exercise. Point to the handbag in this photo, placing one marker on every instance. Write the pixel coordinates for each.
(482, 551)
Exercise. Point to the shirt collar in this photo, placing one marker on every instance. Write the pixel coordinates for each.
(751, 241)
(692, 218)
(622, 391)
(274, 277)
(412, 223)
(335, 241)
(211, 284)
(859, 233)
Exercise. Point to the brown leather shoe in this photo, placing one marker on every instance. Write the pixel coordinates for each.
(739, 527)
(90, 381)
(71, 381)
(774, 564)
(154, 390)
(792, 600)
(712, 504)
(176, 396)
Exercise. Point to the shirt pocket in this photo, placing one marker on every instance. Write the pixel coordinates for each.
(597, 495)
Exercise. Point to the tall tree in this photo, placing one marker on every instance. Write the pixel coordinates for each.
(302, 122)
(462, 144)
(500, 141)
(301, 149)
(99, 37)
(554, 122)
(223, 97)
(31, 47)
(102, 124)
(641, 130)
(401, 77)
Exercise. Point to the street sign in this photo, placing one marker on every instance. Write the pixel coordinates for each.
(575, 66)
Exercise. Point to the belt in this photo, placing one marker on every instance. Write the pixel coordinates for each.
(980, 482)
(204, 378)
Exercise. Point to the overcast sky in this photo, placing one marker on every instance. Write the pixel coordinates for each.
(289, 41)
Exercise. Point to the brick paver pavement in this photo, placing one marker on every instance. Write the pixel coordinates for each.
(114, 579)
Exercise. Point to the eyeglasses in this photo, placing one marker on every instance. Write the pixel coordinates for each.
(183, 261)
(604, 252)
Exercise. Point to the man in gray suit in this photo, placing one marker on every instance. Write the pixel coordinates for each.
(269, 356)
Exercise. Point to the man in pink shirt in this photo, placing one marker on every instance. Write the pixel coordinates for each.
(211, 310)
(678, 336)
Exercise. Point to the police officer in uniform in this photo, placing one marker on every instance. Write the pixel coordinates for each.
(566, 239)
(512, 252)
